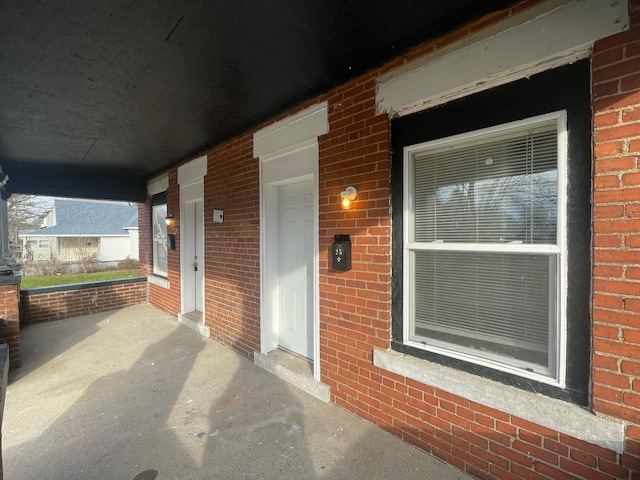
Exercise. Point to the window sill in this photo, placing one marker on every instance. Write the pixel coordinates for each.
(161, 282)
(548, 412)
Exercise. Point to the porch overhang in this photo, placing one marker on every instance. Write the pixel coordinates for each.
(97, 97)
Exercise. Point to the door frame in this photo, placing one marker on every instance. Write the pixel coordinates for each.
(191, 181)
(288, 152)
(269, 214)
(190, 195)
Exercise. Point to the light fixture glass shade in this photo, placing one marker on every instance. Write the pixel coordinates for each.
(168, 219)
(348, 196)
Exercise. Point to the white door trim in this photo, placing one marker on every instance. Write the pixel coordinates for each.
(269, 242)
(280, 148)
(191, 181)
(191, 193)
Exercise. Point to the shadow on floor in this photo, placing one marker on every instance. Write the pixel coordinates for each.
(144, 398)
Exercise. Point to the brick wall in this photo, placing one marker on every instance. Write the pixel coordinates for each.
(616, 226)
(232, 248)
(167, 299)
(47, 304)
(355, 306)
(10, 320)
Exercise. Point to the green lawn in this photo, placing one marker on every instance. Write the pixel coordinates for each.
(33, 282)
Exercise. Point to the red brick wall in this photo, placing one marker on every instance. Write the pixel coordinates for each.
(10, 321)
(167, 299)
(47, 304)
(232, 248)
(616, 225)
(355, 306)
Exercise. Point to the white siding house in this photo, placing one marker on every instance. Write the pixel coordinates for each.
(77, 232)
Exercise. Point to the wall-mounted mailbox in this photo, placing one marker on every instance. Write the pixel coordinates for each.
(341, 253)
(171, 240)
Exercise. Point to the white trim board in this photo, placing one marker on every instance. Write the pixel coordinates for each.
(192, 171)
(305, 125)
(161, 282)
(559, 33)
(158, 185)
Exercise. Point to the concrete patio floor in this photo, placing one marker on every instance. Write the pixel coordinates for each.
(134, 395)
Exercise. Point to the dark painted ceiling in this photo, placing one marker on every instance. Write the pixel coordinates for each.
(96, 95)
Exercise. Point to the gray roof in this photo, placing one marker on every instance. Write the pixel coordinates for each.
(89, 218)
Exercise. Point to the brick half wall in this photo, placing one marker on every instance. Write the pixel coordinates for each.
(46, 304)
(10, 318)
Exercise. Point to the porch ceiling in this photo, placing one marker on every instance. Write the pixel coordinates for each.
(96, 96)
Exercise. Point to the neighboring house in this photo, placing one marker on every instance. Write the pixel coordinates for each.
(77, 232)
(491, 314)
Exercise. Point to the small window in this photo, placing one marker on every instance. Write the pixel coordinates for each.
(43, 243)
(159, 230)
(484, 246)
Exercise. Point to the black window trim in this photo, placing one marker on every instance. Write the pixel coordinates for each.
(564, 88)
(156, 200)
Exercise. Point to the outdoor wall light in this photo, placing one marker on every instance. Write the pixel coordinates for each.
(168, 219)
(348, 196)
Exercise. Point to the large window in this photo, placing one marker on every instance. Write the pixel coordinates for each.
(484, 245)
(491, 233)
(159, 230)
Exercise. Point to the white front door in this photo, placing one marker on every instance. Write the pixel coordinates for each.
(295, 267)
(193, 256)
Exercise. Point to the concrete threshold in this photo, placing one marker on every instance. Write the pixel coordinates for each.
(193, 320)
(296, 370)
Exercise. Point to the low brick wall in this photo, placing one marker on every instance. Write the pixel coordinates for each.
(4, 379)
(10, 318)
(46, 304)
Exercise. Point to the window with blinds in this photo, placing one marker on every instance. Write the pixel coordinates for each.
(159, 228)
(484, 245)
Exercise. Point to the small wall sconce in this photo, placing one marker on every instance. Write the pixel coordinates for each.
(348, 196)
(168, 219)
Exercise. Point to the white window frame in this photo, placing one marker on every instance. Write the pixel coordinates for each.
(156, 242)
(557, 376)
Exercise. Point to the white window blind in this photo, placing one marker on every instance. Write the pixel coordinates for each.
(482, 245)
(158, 214)
(491, 191)
(499, 304)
